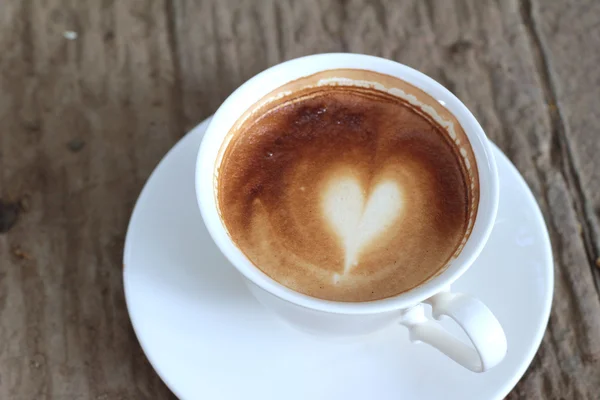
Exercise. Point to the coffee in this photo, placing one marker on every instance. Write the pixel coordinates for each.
(348, 185)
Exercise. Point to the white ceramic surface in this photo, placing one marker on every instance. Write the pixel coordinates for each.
(487, 341)
(272, 78)
(208, 338)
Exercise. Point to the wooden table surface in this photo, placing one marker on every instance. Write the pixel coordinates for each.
(93, 93)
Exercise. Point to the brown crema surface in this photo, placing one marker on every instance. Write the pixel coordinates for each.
(346, 193)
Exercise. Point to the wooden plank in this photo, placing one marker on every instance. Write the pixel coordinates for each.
(483, 51)
(82, 124)
(560, 35)
(565, 33)
(86, 120)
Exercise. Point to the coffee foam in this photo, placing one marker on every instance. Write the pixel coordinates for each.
(346, 188)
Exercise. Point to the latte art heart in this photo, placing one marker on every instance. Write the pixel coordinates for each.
(348, 193)
(357, 219)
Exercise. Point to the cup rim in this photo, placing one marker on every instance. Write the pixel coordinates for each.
(263, 83)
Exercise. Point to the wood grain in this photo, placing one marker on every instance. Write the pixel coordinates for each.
(83, 122)
(573, 79)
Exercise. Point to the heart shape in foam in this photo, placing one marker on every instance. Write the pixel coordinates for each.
(358, 220)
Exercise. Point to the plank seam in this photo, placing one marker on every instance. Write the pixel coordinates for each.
(172, 41)
(558, 130)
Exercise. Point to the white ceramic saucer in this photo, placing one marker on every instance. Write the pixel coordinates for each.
(209, 339)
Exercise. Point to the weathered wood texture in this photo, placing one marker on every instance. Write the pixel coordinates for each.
(82, 124)
(84, 121)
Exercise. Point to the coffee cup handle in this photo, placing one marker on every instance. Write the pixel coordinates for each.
(488, 341)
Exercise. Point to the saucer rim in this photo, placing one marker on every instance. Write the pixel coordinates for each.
(549, 295)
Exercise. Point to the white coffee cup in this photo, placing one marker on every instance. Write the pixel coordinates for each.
(488, 342)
